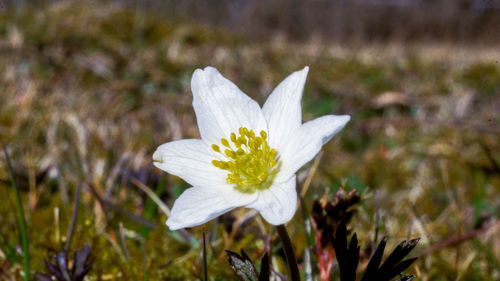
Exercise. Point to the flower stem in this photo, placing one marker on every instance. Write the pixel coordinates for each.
(205, 275)
(289, 254)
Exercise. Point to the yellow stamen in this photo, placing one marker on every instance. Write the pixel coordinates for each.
(251, 163)
(215, 148)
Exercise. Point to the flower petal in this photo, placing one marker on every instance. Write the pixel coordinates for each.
(222, 108)
(307, 142)
(282, 109)
(197, 205)
(277, 204)
(190, 159)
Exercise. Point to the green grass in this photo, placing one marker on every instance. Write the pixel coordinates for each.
(21, 221)
(89, 91)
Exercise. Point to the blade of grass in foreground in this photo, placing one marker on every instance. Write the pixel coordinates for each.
(22, 223)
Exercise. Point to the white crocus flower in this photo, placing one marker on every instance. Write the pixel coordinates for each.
(247, 156)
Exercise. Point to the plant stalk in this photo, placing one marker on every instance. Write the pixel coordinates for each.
(205, 274)
(289, 254)
(22, 223)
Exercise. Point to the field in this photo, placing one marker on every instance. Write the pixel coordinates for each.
(88, 92)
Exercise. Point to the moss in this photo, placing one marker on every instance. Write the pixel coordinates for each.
(482, 77)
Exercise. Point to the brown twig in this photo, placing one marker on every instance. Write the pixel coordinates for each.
(407, 121)
(457, 239)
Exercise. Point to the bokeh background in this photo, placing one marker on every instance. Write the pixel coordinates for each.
(89, 89)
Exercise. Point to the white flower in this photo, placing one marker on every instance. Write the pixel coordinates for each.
(247, 156)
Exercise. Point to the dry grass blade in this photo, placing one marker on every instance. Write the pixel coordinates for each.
(152, 195)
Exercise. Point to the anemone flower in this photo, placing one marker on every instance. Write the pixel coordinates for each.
(247, 155)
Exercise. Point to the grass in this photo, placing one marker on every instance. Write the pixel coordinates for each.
(20, 218)
(89, 91)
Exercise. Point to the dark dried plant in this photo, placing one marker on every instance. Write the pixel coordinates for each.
(393, 265)
(60, 269)
(348, 258)
(326, 216)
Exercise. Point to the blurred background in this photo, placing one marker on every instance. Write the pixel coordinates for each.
(362, 21)
(89, 89)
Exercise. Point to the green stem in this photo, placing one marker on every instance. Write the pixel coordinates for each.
(289, 254)
(22, 223)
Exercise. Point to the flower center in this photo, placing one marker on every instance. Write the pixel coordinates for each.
(251, 163)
